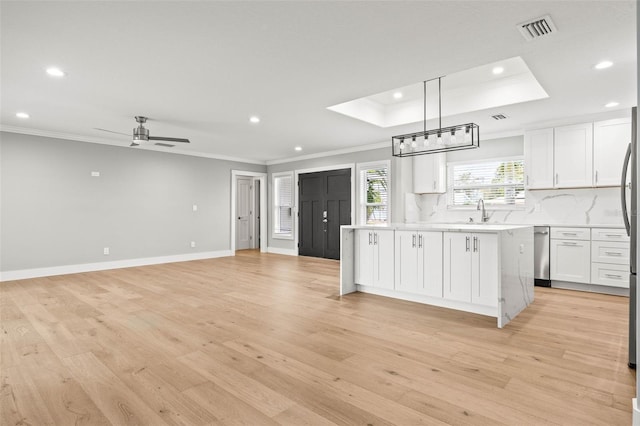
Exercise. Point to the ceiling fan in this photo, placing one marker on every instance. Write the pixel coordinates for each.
(141, 135)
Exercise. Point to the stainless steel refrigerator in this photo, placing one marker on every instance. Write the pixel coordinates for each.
(630, 216)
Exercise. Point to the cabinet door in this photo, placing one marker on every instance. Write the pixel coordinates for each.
(538, 159)
(430, 263)
(571, 261)
(383, 258)
(457, 266)
(484, 269)
(573, 156)
(429, 173)
(364, 257)
(406, 270)
(610, 140)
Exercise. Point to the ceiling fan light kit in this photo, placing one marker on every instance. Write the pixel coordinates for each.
(442, 139)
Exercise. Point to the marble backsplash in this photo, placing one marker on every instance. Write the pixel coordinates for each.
(589, 206)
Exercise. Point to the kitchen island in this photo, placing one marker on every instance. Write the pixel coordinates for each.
(481, 268)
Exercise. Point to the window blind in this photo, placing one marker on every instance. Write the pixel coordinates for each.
(497, 182)
(375, 195)
(283, 191)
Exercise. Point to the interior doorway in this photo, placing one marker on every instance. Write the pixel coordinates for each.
(248, 210)
(244, 213)
(325, 204)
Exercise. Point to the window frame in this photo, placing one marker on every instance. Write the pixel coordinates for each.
(276, 206)
(488, 206)
(362, 201)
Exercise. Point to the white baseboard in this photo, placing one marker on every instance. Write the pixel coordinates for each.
(288, 252)
(635, 418)
(22, 274)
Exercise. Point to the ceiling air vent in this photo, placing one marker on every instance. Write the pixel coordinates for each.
(499, 117)
(537, 28)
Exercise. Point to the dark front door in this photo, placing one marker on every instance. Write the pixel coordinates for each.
(325, 204)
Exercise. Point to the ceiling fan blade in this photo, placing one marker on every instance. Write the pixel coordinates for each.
(111, 131)
(166, 145)
(161, 138)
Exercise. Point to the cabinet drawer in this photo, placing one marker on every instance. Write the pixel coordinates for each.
(611, 275)
(610, 252)
(571, 233)
(609, 234)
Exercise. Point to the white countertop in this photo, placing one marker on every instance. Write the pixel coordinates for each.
(475, 227)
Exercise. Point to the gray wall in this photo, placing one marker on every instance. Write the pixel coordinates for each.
(54, 213)
(401, 175)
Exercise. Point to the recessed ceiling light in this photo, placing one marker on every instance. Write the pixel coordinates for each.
(498, 70)
(55, 72)
(22, 115)
(397, 95)
(254, 119)
(298, 148)
(602, 65)
(611, 104)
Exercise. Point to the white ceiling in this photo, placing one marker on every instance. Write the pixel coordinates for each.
(200, 69)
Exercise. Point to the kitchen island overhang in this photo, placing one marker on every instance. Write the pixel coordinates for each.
(485, 269)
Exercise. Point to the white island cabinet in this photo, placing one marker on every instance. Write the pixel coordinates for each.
(484, 269)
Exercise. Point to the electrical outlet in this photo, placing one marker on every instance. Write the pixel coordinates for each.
(95, 174)
(536, 207)
(195, 207)
(105, 251)
(193, 244)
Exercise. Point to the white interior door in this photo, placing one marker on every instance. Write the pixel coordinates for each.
(243, 214)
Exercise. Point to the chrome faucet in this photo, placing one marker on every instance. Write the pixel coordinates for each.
(480, 206)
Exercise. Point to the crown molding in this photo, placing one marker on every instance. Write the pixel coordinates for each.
(104, 141)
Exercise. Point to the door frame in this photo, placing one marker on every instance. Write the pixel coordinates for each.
(262, 177)
(296, 180)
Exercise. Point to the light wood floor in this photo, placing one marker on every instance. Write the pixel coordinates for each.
(264, 339)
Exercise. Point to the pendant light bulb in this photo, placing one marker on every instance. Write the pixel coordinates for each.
(439, 138)
(413, 142)
(467, 133)
(453, 136)
(426, 141)
(401, 144)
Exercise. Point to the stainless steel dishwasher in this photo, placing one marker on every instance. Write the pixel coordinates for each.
(541, 249)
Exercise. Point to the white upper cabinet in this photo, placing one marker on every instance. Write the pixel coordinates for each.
(538, 158)
(573, 156)
(610, 140)
(429, 173)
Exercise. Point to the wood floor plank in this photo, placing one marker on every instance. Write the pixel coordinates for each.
(265, 339)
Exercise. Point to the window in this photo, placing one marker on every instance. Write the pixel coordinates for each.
(283, 205)
(499, 182)
(374, 193)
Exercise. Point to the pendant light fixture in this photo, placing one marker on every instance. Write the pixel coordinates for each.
(442, 139)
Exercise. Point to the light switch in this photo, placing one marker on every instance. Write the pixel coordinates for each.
(195, 207)
(193, 244)
(105, 251)
(95, 174)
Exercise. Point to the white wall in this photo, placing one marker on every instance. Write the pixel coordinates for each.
(54, 213)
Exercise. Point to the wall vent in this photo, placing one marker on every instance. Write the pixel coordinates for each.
(537, 28)
(499, 117)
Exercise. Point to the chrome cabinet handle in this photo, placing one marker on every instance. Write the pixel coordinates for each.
(596, 176)
(467, 243)
(569, 233)
(613, 235)
(413, 240)
(434, 185)
(613, 276)
(527, 180)
(375, 238)
(475, 244)
(420, 241)
(613, 253)
(369, 238)
(567, 243)
(556, 178)
(541, 232)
